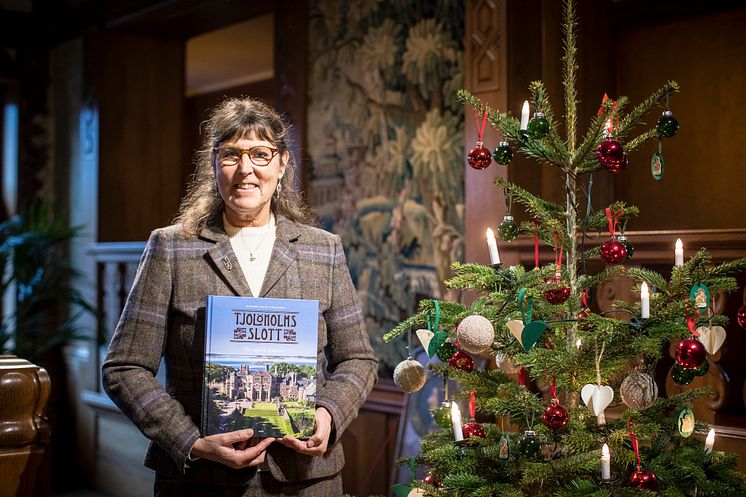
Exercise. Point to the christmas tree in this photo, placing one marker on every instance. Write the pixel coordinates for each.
(574, 408)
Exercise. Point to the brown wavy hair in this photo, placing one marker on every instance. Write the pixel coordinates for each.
(238, 118)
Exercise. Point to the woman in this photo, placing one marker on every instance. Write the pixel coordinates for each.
(241, 230)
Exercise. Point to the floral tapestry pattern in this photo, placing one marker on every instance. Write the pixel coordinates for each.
(386, 136)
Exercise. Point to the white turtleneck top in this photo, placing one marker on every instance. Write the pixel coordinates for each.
(253, 247)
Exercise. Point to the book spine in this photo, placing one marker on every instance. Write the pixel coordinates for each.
(205, 387)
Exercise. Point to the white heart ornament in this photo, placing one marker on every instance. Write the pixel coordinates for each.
(516, 328)
(425, 336)
(597, 398)
(712, 337)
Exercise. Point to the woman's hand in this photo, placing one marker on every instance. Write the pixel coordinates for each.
(319, 441)
(235, 449)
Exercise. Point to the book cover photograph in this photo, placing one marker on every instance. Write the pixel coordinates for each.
(260, 366)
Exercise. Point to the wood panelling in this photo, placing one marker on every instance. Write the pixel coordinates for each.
(703, 184)
(138, 87)
(486, 76)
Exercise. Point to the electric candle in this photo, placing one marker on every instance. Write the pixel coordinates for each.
(524, 115)
(605, 463)
(679, 253)
(710, 441)
(644, 301)
(492, 246)
(458, 433)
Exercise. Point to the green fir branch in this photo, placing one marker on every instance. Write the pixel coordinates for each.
(569, 72)
(650, 277)
(633, 117)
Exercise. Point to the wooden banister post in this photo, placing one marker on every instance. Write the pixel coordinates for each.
(24, 430)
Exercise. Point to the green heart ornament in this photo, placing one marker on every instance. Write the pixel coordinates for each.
(436, 342)
(531, 334)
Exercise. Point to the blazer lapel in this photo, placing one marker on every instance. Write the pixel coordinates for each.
(283, 253)
(224, 259)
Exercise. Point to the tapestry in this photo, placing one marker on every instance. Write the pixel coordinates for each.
(385, 140)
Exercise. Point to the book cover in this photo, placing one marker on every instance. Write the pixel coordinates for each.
(260, 366)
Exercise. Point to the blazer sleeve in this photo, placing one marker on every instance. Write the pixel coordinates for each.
(352, 365)
(135, 353)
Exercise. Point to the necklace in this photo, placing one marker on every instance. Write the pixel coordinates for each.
(264, 236)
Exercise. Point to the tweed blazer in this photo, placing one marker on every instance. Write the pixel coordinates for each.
(164, 317)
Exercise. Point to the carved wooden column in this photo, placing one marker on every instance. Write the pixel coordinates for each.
(24, 431)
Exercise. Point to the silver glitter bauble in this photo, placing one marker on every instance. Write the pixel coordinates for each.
(409, 375)
(638, 390)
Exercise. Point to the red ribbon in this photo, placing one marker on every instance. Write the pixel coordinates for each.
(692, 324)
(553, 383)
(536, 244)
(557, 259)
(633, 440)
(484, 123)
(584, 297)
(522, 377)
(612, 217)
(473, 404)
(610, 125)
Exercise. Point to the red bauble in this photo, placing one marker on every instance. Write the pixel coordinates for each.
(741, 317)
(461, 360)
(556, 292)
(479, 157)
(691, 353)
(474, 429)
(555, 416)
(610, 154)
(585, 326)
(613, 251)
(642, 479)
(431, 480)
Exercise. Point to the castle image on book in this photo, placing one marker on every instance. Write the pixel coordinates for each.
(263, 386)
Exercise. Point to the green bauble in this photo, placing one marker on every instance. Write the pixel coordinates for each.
(681, 375)
(538, 126)
(446, 351)
(703, 369)
(508, 229)
(627, 245)
(529, 446)
(667, 125)
(442, 415)
(502, 153)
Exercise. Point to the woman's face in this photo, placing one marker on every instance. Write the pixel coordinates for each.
(247, 188)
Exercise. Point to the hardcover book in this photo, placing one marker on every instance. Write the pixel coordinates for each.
(260, 366)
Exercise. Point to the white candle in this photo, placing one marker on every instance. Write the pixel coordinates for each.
(644, 301)
(605, 463)
(679, 253)
(492, 246)
(710, 441)
(524, 115)
(458, 432)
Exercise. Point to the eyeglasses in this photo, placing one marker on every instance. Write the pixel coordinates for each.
(231, 156)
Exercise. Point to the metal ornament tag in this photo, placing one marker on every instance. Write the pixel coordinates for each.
(656, 165)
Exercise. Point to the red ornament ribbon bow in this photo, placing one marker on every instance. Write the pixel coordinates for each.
(536, 244)
(558, 257)
(692, 324)
(552, 384)
(633, 440)
(613, 218)
(610, 122)
(480, 129)
(473, 404)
